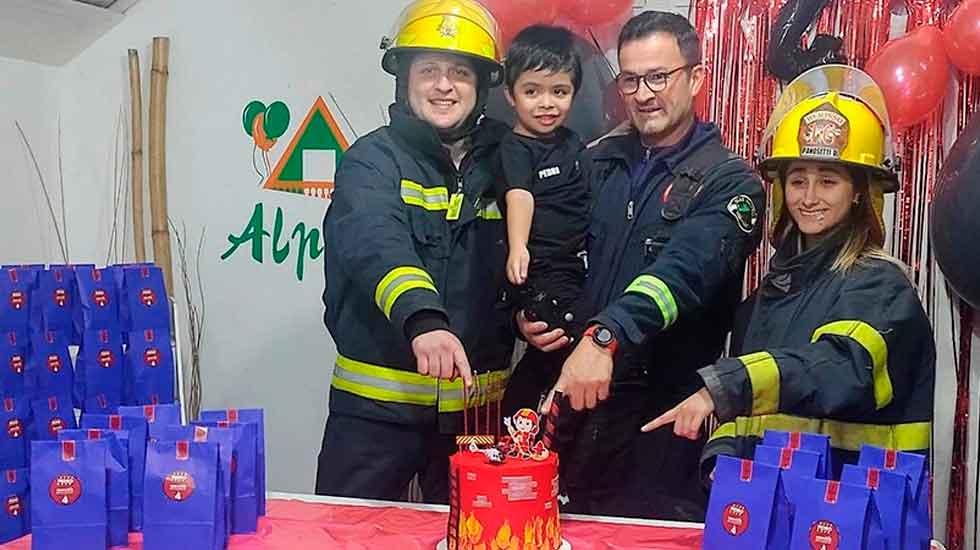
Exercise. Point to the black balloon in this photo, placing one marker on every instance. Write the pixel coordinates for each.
(785, 58)
(955, 220)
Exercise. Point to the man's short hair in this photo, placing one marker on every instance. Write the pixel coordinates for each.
(543, 48)
(651, 22)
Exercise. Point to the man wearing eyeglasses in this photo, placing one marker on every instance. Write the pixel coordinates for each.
(675, 216)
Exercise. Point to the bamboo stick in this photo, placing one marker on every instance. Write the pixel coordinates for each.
(158, 158)
(136, 155)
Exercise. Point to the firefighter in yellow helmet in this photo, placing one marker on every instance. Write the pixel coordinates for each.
(835, 340)
(413, 244)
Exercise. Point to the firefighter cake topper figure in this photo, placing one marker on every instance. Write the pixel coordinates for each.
(523, 429)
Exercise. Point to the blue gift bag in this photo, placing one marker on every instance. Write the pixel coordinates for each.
(245, 479)
(149, 368)
(916, 467)
(15, 420)
(892, 497)
(227, 465)
(836, 516)
(50, 370)
(99, 372)
(57, 297)
(134, 430)
(146, 297)
(184, 498)
(68, 495)
(14, 496)
(246, 416)
(99, 298)
(14, 358)
(117, 479)
(15, 298)
(747, 507)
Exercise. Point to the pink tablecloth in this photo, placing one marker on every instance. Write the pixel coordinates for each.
(292, 524)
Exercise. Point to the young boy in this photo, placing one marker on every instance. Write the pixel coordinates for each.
(546, 202)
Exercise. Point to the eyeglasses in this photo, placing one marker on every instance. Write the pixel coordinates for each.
(656, 81)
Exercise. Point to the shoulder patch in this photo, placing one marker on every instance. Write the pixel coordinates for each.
(743, 210)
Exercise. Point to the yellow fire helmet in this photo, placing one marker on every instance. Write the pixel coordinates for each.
(462, 27)
(831, 113)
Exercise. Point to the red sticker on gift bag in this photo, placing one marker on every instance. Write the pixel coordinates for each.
(735, 519)
(61, 297)
(100, 297)
(14, 428)
(824, 535)
(147, 297)
(179, 486)
(65, 489)
(54, 363)
(16, 299)
(106, 358)
(13, 506)
(17, 364)
(151, 357)
(55, 425)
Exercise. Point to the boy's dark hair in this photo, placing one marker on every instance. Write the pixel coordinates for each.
(543, 47)
(651, 22)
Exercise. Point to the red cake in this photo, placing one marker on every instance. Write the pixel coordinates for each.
(508, 505)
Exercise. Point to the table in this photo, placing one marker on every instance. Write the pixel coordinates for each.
(304, 521)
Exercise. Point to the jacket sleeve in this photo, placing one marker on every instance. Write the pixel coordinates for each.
(706, 251)
(369, 227)
(871, 352)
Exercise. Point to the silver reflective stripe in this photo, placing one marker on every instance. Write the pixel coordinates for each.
(397, 282)
(435, 198)
(374, 382)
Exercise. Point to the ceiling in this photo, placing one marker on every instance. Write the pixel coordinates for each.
(53, 32)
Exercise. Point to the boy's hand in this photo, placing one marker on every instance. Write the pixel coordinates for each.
(518, 261)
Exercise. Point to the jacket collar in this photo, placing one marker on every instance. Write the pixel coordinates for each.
(420, 136)
(627, 147)
(792, 270)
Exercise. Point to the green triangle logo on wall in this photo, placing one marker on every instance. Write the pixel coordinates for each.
(309, 164)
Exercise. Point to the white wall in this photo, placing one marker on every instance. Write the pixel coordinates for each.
(265, 344)
(27, 96)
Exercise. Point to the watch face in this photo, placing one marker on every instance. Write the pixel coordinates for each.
(603, 336)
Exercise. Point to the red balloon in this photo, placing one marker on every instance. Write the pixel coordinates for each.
(962, 37)
(596, 12)
(513, 16)
(596, 20)
(913, 73)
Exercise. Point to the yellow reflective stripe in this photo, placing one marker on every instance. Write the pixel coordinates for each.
(430, 198)
(874, 343)
(848, 436)
(398, 281)
(656, 290)
(490, 211)
(400, 386)
(725, 430)
(402, 288)
(764, 375)
(489, 388)
(455, 207)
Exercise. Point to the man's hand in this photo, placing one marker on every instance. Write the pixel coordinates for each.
(440, 354)
(586, 375)
(518, 261)
(537, 334)
(688, 417)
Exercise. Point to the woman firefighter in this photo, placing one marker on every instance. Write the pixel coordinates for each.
(835, 340)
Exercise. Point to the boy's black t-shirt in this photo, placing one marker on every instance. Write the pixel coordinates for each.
(553, 170)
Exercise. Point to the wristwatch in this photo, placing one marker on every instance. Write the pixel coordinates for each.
(603, 337)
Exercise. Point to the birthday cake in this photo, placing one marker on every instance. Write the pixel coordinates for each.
(504, 494)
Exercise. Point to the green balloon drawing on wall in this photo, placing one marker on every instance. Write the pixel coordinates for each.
(276, 120)
(252, 110)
